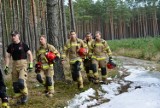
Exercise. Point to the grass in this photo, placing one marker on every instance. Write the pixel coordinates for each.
(143, 48)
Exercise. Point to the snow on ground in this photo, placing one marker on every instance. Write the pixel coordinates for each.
(144, 92)
(147, 95)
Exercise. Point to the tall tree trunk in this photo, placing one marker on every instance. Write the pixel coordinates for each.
(1, 34)
(34, 23)
(5, 26)
(120, 28)
(40, 16)
(61, 37)
(53, 31)
(111, 26)
(72, 15)
(155, 24)
(24, 4)
(19, 19)
(64, 21)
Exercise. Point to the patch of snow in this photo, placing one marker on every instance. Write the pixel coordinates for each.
(83, 99)
(148, 97)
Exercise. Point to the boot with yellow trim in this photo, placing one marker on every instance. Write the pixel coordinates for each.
(80, 82)
(90, 76)
(24, 97)
(50, 91)
(5, 105)
(5, 101)
(96, 78)
(104, 80)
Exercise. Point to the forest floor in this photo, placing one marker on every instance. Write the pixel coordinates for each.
(64, 91)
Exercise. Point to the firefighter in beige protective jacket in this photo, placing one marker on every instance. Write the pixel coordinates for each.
(87, 61)
(100, 51)
(71, 50)
(46, 56)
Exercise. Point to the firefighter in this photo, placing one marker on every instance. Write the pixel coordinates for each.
(3, 94)
(72, 48)
(100, 50)
(18, 50)
(87, 60)
(46, 55)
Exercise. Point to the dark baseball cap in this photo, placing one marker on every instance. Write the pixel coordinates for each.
(14, 32)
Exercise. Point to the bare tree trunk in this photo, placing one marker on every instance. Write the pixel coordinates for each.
(19, 19)
(2, 47)
(53, 31)
(40, 16)
(155, 24)
(61, 37)
(72, 15)
(42, 31)
(24, 21)
(111, 26)
(64, 21)
(5, 26)
(34, 23)
(120, 28)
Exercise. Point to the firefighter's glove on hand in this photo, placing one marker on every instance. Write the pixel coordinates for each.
(6, 70)
(111, 61)
(30, 67)
(56, 59)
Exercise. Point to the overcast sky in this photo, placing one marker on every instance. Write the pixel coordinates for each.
(66, 1)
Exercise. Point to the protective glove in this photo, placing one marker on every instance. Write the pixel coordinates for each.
(6, 70)
(56, 59)
(30, 67)
(111, 61)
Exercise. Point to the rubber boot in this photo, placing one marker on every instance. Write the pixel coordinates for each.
(24, 99)
(104, 80)
(90, 76)
(96, 78)
(80, 83)
(5, 105)
(50, 91)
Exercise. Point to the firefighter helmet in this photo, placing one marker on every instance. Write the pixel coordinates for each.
(82, 51)
(50, 56)
(111, 65)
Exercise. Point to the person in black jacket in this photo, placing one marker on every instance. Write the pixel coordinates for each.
(22, 63)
